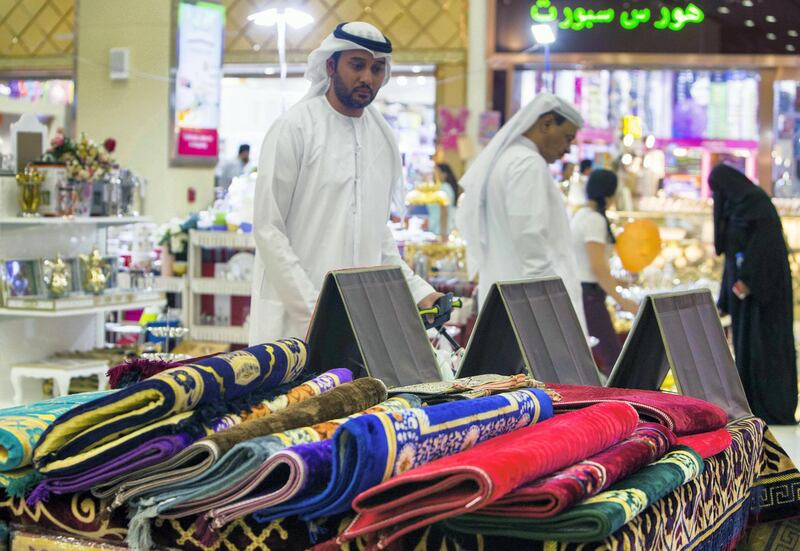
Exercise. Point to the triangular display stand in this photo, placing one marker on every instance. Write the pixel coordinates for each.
(530, 327)
(681, 331)
(366, 320)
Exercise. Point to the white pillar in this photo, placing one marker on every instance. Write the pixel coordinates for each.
(476, 65)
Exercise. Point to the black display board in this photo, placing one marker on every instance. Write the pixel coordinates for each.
(366, 321)
(530, 327)
(682, 332)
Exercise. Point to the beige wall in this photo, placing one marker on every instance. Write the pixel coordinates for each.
(135, 111)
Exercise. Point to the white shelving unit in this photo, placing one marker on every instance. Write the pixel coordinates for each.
(198, 285)
(33, 335)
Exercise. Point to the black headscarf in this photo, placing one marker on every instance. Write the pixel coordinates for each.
(601, 186)
(735, 198)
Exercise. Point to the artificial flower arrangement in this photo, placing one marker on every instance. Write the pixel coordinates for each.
(85, 160)
(175, 236)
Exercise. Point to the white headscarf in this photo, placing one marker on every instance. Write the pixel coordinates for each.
(316, 70)
(472, 212)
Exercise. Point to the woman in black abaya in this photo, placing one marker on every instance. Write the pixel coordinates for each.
(747, 230)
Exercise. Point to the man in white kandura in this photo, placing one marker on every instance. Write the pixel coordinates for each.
(512, 216)
(328, 173)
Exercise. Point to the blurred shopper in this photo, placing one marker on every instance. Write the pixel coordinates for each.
(512, 216)
(232, 168)
(451, 188)
(577, 189)
(591, 235)
(757, 292)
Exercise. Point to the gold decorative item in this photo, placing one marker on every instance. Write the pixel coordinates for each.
(57, 277)
(95, 272)
(29, 191)
(428, 193)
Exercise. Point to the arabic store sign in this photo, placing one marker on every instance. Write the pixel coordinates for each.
(578, 18)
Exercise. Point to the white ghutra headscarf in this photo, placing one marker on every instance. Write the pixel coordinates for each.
(471, 217)
(355, 35)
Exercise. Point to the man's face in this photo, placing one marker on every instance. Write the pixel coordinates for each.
(556, 138)
(357, 77)
(245, 156)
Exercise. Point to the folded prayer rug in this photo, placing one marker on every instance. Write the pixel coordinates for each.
(242, 462)
(708, 513)
(681, 414)
(468, 388)
(599, 516)
(238, 462)
(19, 482)
(106, 479)
(475, 478)
(22, 426)
(174, 391)
(286, 474)
(548, 496)
(707, 444)
(201, 455)
(373, 448)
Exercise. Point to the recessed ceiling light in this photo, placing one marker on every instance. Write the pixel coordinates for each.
(790, 47)
(770, 19)
(724, 10)
(792, 33)
(747, 3)
(771, 36)
(749, 23)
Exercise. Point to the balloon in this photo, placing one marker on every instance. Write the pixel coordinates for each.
(638, 244)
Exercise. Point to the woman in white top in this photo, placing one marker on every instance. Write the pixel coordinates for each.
(591, 234)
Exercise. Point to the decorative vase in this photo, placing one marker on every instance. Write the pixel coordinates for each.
(82, 198)
(100, 198)
(29, 191)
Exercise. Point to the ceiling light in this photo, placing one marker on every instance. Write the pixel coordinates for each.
(416, 69)
(421, 80)
(296, 19)
(792, 33)
(269, 71)
(402, 81)
(790, 48)
(770, 19)
(724, 10)
(256, 47)
(543, 34)
(747, 3)
(749, 23)
(771, 36)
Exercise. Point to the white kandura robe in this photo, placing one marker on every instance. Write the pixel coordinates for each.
(323, 197)
(528, 232)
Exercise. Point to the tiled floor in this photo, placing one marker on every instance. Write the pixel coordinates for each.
(789, 438)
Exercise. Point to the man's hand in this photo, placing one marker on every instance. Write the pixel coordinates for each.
(429, 301)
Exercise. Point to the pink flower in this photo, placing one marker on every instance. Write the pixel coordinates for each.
(58, 140)
(110, 144)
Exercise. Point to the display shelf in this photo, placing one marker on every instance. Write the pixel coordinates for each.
(99, 221)
(211, 239)
(139, 300)
(657, 214)
(219, 286)
(170, 284)
(214, 333)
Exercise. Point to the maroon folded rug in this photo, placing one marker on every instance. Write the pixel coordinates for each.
(471, 480)
(553, 494)
(682, 414)
(707, 444)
